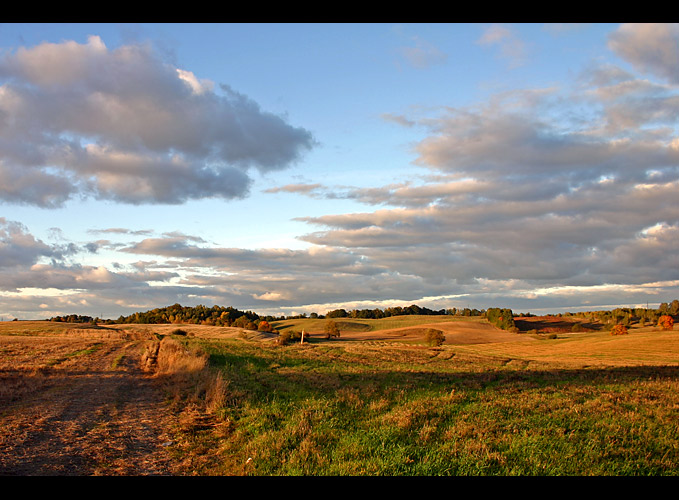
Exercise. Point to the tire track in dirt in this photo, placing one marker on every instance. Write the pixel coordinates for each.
(97, 414)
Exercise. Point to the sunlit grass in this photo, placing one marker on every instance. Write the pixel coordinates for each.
(317, 325)
(354, 410)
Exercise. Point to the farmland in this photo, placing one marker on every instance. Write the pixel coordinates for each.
(80, 399)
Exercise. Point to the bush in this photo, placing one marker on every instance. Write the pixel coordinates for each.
(666, 322)
(179, 331)
(288, 336)
(577, 327)
(264, 326)
(502, 318)
(434, 337)
(331, 330)
(619, 330)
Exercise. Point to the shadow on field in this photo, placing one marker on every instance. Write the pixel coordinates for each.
(255, 377)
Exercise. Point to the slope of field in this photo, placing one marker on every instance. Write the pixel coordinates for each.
(648, 346)
(408, 329)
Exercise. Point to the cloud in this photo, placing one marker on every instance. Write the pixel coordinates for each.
(552, 198)
(512, 48)
(398, 119)
(649, 47)
(515, 142)
(295, 188)
(18, 247)
(121, 124)
(423, 54)
(535, 190)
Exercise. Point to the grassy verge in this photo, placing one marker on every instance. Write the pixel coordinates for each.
(333, 409)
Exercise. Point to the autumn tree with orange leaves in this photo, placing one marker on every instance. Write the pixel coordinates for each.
(619, 330)
(666, 322)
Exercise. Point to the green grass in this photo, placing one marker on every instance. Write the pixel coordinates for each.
(333, 409)
(74, 354)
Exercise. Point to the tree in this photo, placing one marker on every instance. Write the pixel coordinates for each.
(619, 330)
(501, 318)
(264, 326)
(331, 330)
(666, 322)
(434, 337)
(674, 307)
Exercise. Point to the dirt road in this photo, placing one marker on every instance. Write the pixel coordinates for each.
(80, 406)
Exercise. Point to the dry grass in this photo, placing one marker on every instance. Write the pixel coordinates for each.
(647, 347)
(186, 375)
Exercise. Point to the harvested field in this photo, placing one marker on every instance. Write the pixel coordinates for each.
(77, 403)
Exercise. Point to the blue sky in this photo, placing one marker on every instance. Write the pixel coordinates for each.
(289, 168)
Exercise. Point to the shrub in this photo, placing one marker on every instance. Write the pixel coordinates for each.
(331, 330)
(501, 317)
(264, 326)
(288, 336)
(434, 337)
(666, 322)
(619, 330)
(577, 327)
(179, 331)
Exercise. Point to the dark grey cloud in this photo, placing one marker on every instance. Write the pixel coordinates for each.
(20, 248)
(121, 124)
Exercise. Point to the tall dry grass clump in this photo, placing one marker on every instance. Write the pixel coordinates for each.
(186, 374)
(176, 360)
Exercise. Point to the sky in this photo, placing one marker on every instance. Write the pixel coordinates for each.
(298, 168)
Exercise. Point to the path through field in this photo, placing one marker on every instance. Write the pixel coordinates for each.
(79, 406)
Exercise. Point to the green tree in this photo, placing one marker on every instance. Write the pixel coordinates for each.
(674, 307)
(434, 337)
(331, 329)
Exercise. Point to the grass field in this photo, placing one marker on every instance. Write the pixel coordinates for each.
(587, 404)
(358, 324)
(580, 404)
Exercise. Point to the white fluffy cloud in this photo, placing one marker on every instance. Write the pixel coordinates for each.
(123, 125)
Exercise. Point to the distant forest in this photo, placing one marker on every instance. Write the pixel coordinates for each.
(230, 316)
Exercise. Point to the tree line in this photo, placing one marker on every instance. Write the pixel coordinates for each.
(198, 315)
(412, 310)
(230, 316)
